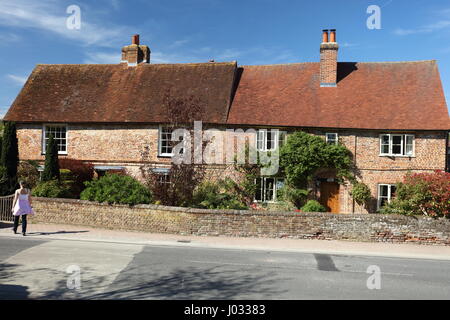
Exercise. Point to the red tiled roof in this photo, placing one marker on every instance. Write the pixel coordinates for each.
(397, 95)
(117, 93)
(393, 96)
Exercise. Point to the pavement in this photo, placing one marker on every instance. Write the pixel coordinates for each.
(82, 233)
(75, 262)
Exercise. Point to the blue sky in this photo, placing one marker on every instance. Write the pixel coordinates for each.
(249, 31)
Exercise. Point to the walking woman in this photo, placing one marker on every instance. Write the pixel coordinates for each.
(22, 207)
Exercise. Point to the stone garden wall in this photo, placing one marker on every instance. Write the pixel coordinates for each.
(188, 221)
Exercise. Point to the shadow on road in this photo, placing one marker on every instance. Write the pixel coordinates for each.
(191, 283)
(11, 291)
(56, 232)
(4, 225)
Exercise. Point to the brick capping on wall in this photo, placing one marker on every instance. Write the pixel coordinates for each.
(244, 223)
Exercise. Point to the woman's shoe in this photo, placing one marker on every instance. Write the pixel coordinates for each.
(15, 231)
(24, 234)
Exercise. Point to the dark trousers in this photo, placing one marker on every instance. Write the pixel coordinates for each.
(24, 223)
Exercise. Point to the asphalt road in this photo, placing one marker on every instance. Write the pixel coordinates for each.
(38, 269)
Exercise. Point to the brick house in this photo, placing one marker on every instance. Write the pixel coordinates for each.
(392, 116)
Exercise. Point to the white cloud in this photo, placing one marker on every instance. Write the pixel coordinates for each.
(443, 24)
(102, 57)
(349, 45)
(51, 16)
(19, 80)
(8, 38)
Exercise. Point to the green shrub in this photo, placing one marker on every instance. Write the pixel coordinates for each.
(114, 188)
(361, 193)
(65, 174)
(296, 197)
(313, 206)
(211, 195)
(52, 189)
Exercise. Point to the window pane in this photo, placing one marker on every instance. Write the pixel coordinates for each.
(409, 145)
(384, 144)
(393, 190)
(396, 149)
(397, 139)
(331, 138)
(269, 140)
(397, 142)
(59, 134)
(269, 189)
(384, 191)
(260, 141)
(165, 140)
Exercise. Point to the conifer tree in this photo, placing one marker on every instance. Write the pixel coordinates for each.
(9, 159)
(51, 169)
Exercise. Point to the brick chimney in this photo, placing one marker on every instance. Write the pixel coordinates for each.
(135, 53)
(328, 59)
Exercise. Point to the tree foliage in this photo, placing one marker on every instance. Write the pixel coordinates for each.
(9, 159)
(116, 189)
(177, 188)
(361, 193)
(28, 173)
(422, 194)
(51, 169)
(217, 195)
(80, 171)
(303, 154)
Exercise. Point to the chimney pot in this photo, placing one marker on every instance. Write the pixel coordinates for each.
(333, 35)
(328, 60)
(325, 35)
(135, 39)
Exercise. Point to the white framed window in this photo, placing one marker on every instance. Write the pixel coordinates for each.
(385, 193)
(267, 139)
(163, 175)
(397, 145)
(59, 133)
(165, 142)
(267, 188)
(331, 138)
(164, 178)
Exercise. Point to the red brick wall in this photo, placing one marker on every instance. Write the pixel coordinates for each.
(128, 145)
(328, 63)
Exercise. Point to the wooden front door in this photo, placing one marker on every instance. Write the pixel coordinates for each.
(329, 196)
